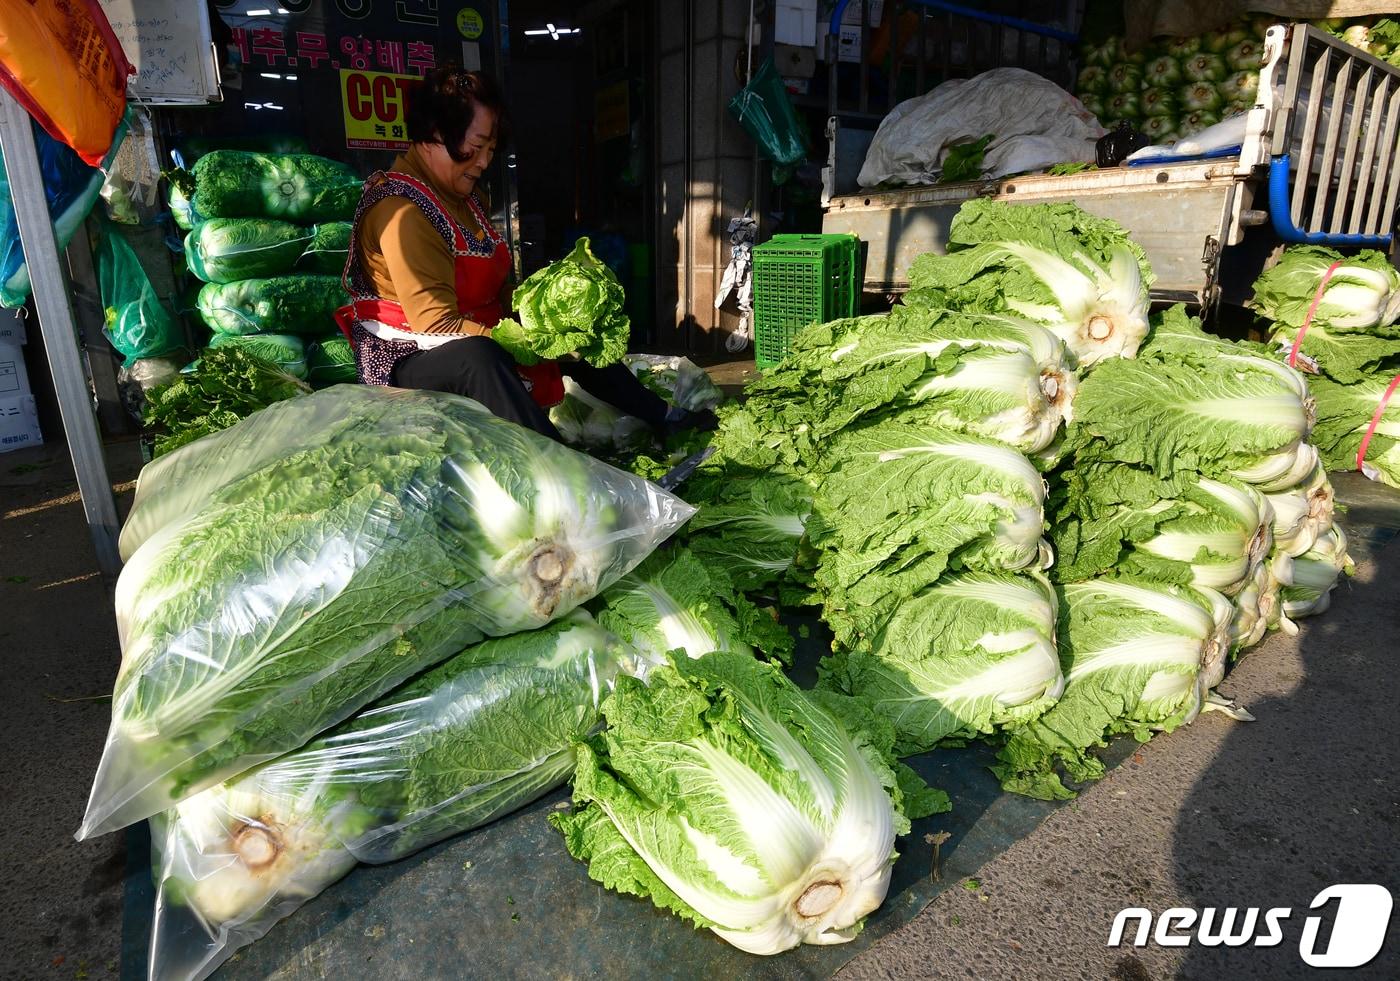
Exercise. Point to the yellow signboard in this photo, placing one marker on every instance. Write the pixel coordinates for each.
(373, 103)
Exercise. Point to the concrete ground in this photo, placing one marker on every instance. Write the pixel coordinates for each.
(1219, 814)
(60, 900)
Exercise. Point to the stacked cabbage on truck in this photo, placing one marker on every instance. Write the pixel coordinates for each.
(1281, 132)
(268, 234)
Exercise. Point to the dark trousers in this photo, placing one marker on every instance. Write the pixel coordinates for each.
(480, 369)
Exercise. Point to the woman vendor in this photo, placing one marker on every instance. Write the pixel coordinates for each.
(428, 271)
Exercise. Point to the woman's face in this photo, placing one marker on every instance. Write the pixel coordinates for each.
(477, 149)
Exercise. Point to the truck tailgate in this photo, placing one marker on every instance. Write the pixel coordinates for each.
(1178, 213)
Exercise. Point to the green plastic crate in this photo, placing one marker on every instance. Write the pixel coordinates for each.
(800, 280)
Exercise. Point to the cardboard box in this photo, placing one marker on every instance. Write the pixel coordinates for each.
(14, 380)
(12, 328)
(19, 423)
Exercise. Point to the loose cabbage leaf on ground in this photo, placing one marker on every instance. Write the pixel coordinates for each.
(278, 591)
(573, 306)
(1139, 657)
(726, 795)
(480, 735)
(971, 653)
(1078, 274)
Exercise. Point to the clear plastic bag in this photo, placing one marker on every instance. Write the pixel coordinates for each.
(287, 571)
(679, 381)
(587, 421)
(143, 375)
(480, 735)
(294, 304)
(225, 250)
(286, 351)
(131, 189)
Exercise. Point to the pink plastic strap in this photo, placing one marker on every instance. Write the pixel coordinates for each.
(1376, 421)
(1312, 312)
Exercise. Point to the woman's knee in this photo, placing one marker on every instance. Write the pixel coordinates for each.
(482, 354)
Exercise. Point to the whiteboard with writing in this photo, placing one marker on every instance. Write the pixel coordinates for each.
(169, 44)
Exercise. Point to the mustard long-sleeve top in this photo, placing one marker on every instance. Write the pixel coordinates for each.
(407, 260)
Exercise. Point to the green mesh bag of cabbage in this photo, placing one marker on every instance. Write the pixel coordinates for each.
(285, 572)
(299, 187)
(281, 304)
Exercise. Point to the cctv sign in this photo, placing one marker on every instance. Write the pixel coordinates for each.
(373, 103)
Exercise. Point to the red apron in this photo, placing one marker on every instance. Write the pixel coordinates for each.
(478, 281)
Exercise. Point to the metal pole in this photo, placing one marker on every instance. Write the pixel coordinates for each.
(60, 336)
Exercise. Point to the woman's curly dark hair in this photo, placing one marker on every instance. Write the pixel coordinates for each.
(441, 108)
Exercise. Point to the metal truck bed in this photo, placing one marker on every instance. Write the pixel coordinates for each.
(1180, 214)
(1314, 175)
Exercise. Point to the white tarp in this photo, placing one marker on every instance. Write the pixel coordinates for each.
(1034, 122)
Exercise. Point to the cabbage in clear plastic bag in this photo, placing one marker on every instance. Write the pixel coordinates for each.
(480, 735)
(285, 572)
(224, 250)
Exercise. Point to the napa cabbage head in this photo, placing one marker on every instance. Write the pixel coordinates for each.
(1345, 414)
(1316, 573)
(1186, 529)
(573, 306)
(1138, 656)
(1175, 410)
(381, 531)
(906, 503)
(968, 655)
(486, 732)
(1080, 275)
(726, 795)
(1363, 293)
(994, 376)
(1259, 605)
(1303, 512)
(748, 524)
